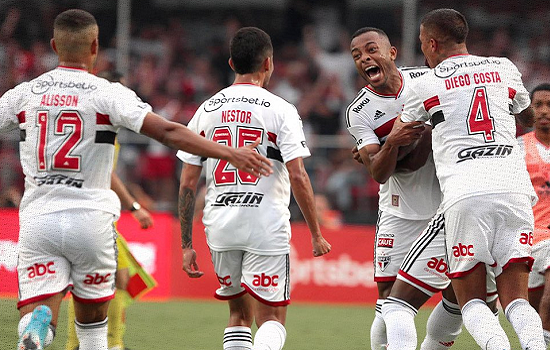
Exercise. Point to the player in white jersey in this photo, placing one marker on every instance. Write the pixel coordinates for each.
(68, 120)
(247, 218)
(487, 193)
(408, 199)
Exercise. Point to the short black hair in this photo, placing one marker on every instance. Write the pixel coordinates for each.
(540, 87)
(249, 48)
(369, 29)
(74, 20)
(448, 24)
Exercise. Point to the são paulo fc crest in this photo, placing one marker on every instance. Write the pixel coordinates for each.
(383, 262)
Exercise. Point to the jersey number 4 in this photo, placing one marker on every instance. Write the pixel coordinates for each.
(222, 174)
(479, 119)
(67, 123)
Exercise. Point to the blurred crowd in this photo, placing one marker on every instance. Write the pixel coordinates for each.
(179, 58)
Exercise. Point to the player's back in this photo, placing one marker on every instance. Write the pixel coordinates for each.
(68, 129)
(471, 100)
(242, 211)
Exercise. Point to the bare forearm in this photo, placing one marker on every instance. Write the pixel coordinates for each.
(186, 209)
(526, 118)
(303, 193)
(382, 164)
(126, 199)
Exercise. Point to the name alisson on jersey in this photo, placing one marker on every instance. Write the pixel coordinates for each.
(476, 78)
(59, 100)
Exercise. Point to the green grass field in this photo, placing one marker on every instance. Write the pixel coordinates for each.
(198, 325)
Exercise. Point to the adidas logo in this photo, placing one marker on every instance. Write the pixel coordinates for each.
(378, 114)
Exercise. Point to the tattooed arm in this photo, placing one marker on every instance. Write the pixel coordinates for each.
(190, 175)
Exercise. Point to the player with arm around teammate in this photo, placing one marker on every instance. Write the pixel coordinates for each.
(409, 190)
(68, 120)
(487, 194)
(536, 146)
(246, 218)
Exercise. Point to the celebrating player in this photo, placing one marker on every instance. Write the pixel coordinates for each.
(487, 193)
(536, 145)
(246, 217)
(409, 190)
(68, 121)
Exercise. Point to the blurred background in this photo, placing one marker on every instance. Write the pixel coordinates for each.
(174, 55)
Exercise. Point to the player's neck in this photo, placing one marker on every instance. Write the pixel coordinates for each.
(252, 78)
(78, 65)
(455, 50)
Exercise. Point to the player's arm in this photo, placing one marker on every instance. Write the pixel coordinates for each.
(381, 161)
(190, 175)
(128, 201)
(303, 193)
(179, 137)
(526, 118)
(415, 158)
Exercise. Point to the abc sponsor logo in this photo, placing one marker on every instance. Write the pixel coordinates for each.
(438, 265)
(224, 280)
(526, 238)
(38, 270)
(97, 279)
(264, 280)
(463, 250)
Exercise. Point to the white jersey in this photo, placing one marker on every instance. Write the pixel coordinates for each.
(470, 100)
(68, 120)
(370, 117)
(243, 212)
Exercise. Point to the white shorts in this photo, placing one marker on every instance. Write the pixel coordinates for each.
(490, 229)
(425, 266)
(541, 254)
(265, 277)
(67, 248)
(394, 237)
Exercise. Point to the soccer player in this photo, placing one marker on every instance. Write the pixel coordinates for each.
(246, 218)
(487, 193)
(68, 120)
(409, 190)
(536, 145)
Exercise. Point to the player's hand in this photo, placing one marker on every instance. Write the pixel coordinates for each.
(320, 246)
(405, 133)
(247, 159)
(356, 155)
(143, 217)
(190, 265)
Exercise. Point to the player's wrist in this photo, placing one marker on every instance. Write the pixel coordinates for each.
(135, 206)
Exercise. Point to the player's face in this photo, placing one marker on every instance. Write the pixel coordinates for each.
(374, 58)
(541, 107)
(427, 48)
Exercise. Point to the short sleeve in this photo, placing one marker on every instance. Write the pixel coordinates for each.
(291, 139)
(413, 108)
(188, 157)
(124, 107)
(362, 130)
(8, 115)
(518, 94)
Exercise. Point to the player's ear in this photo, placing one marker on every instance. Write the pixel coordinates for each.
(267, 63)
(393, 53)
(94, 48)
(231, 64)
(52, 44)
